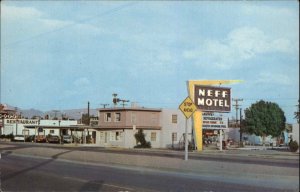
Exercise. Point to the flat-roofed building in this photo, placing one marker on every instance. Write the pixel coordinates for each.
(117, 126)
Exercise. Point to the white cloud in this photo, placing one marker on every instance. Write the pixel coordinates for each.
(278, 21)
(283, 45)
(271, 78)
(24, 23)
(240, 44)
(249, 41)
(12, 13)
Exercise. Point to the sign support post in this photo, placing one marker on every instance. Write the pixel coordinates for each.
(188, 108)
(197, 118)
(186, 141)
(221, 139)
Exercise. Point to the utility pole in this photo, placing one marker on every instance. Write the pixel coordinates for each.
(88, 113)
(236, 105)
(241, 128)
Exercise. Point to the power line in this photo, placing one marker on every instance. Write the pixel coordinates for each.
(270, 98)
(72, 24)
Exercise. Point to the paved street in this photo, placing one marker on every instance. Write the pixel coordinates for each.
(68, 168)
(43, 174)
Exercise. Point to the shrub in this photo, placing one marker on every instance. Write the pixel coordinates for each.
(293, 146)
(141, 141)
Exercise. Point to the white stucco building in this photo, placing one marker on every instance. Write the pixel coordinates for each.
(163, 128)
(31, 126)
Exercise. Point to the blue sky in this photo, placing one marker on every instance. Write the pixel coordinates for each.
(62, 54)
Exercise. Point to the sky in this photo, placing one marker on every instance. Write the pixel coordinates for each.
(62, 54)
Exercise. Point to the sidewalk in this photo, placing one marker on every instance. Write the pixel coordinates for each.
(256, 151)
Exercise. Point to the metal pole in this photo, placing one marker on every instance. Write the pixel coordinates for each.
(35, 134)
(221, 139)
(241, 131)
(17, 126)
(186, 142)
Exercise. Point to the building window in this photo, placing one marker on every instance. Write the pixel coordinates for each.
(117, 117)
(174, 136)
(107, 117)
(153, 136)
(174, 118)
(115, 136)
(118, 136)
(51, 131)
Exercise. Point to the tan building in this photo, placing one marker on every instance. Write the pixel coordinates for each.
(162, 128)
(117, 126)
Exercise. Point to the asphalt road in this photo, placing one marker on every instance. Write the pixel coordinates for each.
(19, 173)
(250, 158)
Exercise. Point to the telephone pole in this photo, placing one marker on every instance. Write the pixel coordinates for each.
(88, 113)
(237, 105)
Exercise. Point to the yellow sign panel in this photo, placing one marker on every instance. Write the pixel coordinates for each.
(197, 116)
(188, 107)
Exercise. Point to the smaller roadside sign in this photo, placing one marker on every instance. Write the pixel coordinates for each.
(214, 121)
(188, 107)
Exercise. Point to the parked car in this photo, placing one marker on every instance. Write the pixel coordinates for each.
(67, 139)
(30, 138)
(19, 138)
(40, 138)
(53, 139)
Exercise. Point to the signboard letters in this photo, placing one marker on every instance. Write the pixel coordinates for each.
(208, 98)
(187, 107)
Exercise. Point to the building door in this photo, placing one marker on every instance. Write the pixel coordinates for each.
(105, 137)
(94, 136)
(64, 131)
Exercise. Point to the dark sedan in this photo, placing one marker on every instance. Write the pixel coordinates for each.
(53, 139)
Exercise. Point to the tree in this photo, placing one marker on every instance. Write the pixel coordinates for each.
(264, 118)
(297, 113)
(293, 146)
(141, 141)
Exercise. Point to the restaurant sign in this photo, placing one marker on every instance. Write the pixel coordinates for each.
(209, 98)
(22, 121)
(214, 121)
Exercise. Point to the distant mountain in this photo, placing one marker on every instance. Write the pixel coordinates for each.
(29, 113)
(69, 113)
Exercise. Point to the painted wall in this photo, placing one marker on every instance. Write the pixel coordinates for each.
(295, 132)
(114, 138)
(168, 128)
(17, 127)
(106, 138)
(129, 117)
(234, 134)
